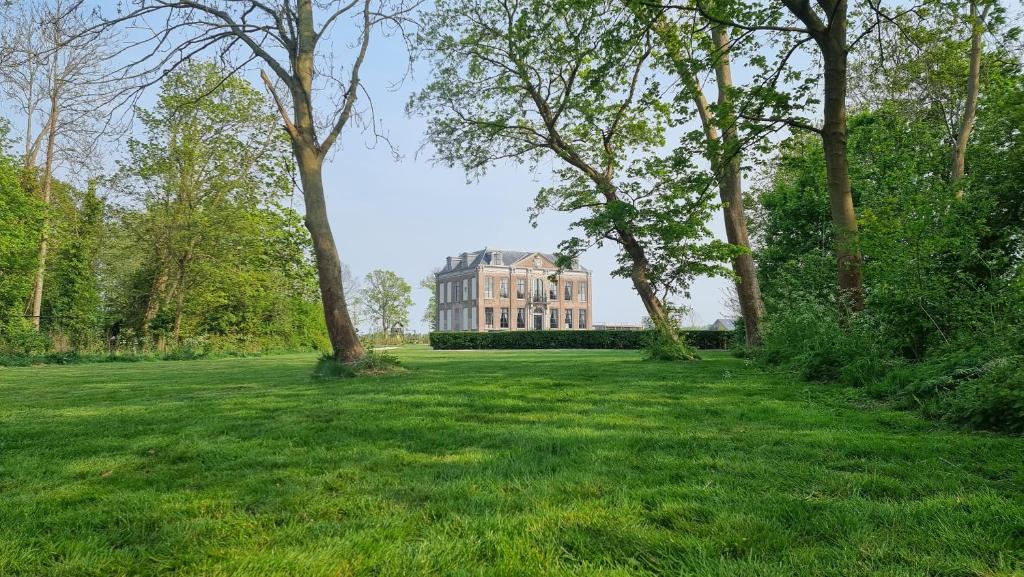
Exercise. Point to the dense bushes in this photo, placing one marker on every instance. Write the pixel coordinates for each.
(941, 331)
(570, 340)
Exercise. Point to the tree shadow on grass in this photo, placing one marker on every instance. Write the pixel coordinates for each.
(570, 462)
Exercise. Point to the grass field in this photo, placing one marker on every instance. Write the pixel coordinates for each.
(489, 463)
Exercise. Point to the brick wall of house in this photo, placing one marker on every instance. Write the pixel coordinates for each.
(463, 296)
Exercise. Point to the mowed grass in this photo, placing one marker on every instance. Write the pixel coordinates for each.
(489, 463)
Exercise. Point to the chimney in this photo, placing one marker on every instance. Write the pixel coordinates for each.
(451, 262)
(465, 259)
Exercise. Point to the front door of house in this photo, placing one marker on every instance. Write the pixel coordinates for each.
(538, 321)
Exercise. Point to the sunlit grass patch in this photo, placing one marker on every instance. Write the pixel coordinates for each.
(489, 463)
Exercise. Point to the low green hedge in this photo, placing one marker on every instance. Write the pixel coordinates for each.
(527, 339)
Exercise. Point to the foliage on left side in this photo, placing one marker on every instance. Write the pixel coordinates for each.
(192, 247)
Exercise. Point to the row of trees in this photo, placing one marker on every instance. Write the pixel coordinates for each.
(193, 235)
(633, 102)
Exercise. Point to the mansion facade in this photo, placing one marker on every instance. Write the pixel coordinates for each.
(504, 290)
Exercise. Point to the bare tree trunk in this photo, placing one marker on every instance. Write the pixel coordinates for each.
(36, 302)
(730, 189)
(834, 142)
(638, 274)
(344, 339)
(830, 36)
(309, 154)
(971, 104)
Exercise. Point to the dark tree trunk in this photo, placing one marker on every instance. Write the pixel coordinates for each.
(726, 161)
(156, 292)
(340, 329)
(834, 141)
(638, 274)
(830, 36)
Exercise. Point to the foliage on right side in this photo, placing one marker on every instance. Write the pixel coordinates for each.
(943, 326)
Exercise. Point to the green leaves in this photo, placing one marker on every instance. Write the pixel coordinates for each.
(385, 299)
(574, 82)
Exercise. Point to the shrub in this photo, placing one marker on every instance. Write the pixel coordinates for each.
(615, 339)
(19, 338)
(372, 363)
(666, 346)
(809, 339)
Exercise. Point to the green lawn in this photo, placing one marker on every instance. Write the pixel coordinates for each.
(489, 463)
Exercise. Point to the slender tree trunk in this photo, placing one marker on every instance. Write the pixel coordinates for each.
(730, 188)
(156, 292)
(971, 104)
(179, 294)
(36, 302)
(724, 155)
(638, 274)
(344, 339)
(834, 142)
(309, 156)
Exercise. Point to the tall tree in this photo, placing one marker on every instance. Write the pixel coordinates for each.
(722, 146)
(212, 155)
(573, 80)
(781, 90)
(429, 283)
(20, 216)
(288, 37)
(60, 75)
(386, 299)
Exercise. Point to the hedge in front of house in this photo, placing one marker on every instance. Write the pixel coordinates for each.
(527, 339)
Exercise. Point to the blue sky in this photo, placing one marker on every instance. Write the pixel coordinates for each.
(408, 214)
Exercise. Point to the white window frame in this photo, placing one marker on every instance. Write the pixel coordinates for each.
(465, 319)
(567, 284)
(582, 291)
(465, 290)
(472, 289)
(582, 320)
(448, 292)
(489, 287)
(472, 319)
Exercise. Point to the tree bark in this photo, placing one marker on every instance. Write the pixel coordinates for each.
(723, 153)
(834, 141)
(179, 293)
(340, 329)
(830, 36)
(725, 159)
(36, 301)
(638, 274)
(971, 104)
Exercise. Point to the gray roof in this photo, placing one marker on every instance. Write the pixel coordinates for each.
(483, 257)
(723, 325)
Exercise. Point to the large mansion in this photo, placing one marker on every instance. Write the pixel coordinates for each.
(506, 290)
